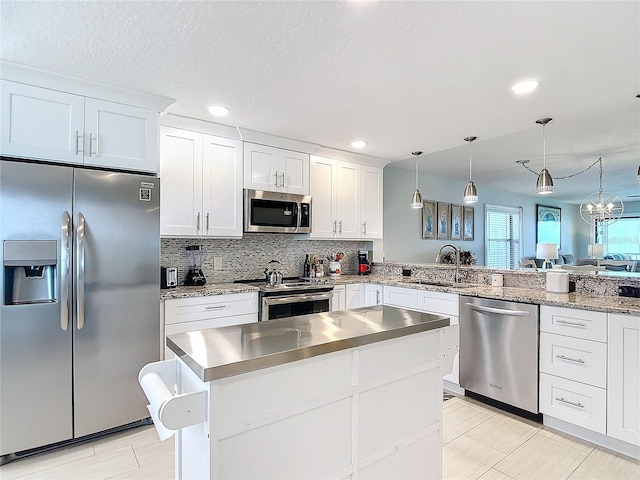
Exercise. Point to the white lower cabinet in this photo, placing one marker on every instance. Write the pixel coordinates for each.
(372, 294)
(339, 298)
(401, 297)
(354, 295)
(623, 388)
(197, 313)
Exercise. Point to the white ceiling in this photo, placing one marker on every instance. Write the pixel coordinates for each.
(402, 75)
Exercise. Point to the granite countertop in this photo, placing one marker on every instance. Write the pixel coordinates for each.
(227, 351)
(600, 303)
(206, 291)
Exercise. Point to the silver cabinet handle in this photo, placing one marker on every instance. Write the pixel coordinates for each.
(282, 180)
(276, 175)
(340, 227)
(499, 311)
(364, 228)
(207, 221)
(377, 297)
(65, 250)
(577, 360)
(573, 324)
(198, 222)
(78, 137)
(80, 239)
(575, 404)
(215, 307)
(334, 227)
(91, 152)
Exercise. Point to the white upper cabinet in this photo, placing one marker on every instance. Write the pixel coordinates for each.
(371, 201)
(346, 200)
(275, 170)
(201, 182)
(55, 126)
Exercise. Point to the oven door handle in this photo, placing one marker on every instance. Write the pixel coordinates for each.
(302, 297)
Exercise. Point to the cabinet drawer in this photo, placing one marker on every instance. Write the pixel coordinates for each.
(438, 302)
(574, 402)
(574, 323)
(401, 297)
(202, 308)
(574, 359)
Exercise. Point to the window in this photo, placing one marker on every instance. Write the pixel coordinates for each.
(503, 234)
(623, 237)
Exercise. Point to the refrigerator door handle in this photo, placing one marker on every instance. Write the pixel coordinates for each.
(80, 237)
(65, 249)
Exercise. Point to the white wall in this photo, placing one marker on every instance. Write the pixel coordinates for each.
(403, 225)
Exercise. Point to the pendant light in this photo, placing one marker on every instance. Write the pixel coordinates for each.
(544, 186)
(601, 208)
(416, 198)
(470, 192)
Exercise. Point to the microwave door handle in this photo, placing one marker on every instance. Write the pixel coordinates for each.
(299, 216)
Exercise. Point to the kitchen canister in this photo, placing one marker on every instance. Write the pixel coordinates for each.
(334, 269)
(557, 281)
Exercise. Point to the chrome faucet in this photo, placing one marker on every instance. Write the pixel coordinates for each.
(457, 250)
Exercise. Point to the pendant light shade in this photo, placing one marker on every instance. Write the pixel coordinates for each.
(416, 198)
(545, 182)
(470, 192)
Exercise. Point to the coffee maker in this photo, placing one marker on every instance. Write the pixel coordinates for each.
(196, 255)
(364, 267)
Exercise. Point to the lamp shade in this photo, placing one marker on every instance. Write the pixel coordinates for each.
(470, 193)
(544, 186)
(595, 250)
(416, 199)
(547, 251)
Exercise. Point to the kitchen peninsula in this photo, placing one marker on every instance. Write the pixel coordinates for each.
(329, 395)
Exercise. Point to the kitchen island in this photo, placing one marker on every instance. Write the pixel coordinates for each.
(330, 395)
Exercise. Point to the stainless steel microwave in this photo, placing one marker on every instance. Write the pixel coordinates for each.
(273, 212)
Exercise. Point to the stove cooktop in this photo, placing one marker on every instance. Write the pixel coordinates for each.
(290, 284)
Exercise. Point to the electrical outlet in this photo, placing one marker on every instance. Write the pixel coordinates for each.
(217, 263)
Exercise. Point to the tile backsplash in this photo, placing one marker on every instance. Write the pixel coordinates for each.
(247, 257)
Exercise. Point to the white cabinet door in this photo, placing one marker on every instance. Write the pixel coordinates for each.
(372, 294)
(293, 170)
(323, 188)
(623, 388)
(261, 167)
(401, 297)
(347, 200)
(354, 295)
(41, 123)
(120, 136)
(339, 298)
(371, 201)
(180, 182)
(221, 187)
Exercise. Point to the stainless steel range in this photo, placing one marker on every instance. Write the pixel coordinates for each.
(291, 297)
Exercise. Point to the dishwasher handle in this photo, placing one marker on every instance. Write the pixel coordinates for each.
(498, 311)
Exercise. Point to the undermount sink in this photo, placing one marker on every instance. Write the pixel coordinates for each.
(440, 284)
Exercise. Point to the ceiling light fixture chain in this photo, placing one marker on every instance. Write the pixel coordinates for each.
(524, 164)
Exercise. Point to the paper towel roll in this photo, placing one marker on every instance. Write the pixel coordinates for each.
(157, 393)
(557, 281)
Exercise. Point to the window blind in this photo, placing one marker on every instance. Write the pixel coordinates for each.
(503, 234)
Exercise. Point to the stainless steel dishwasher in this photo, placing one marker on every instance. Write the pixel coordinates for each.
(499, 350)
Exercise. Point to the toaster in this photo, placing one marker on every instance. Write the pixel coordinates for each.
(168, 277)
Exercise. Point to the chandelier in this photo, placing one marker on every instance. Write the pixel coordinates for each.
(601, 208)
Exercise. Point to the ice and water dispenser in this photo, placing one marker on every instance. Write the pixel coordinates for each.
(29, 271)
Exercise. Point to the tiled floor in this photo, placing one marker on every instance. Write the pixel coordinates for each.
(480, 442)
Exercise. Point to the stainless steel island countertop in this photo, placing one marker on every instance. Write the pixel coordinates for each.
(224, 352)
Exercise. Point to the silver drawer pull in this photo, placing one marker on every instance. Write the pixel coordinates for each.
(574, 324)
(577, 360)
(570, 403)
(215, 307)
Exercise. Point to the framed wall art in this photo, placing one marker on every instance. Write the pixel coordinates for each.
(469, 223)
(428, 219)
(443, 220)
(456, 222)
(548, 224)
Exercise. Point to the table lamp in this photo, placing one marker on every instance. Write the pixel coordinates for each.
(595, 250)
(547, 252)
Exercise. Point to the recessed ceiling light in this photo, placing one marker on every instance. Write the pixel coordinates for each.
(527, 86)
(218, 110)
(358, 144)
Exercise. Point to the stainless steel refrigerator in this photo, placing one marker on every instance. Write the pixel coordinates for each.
(80, 310)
